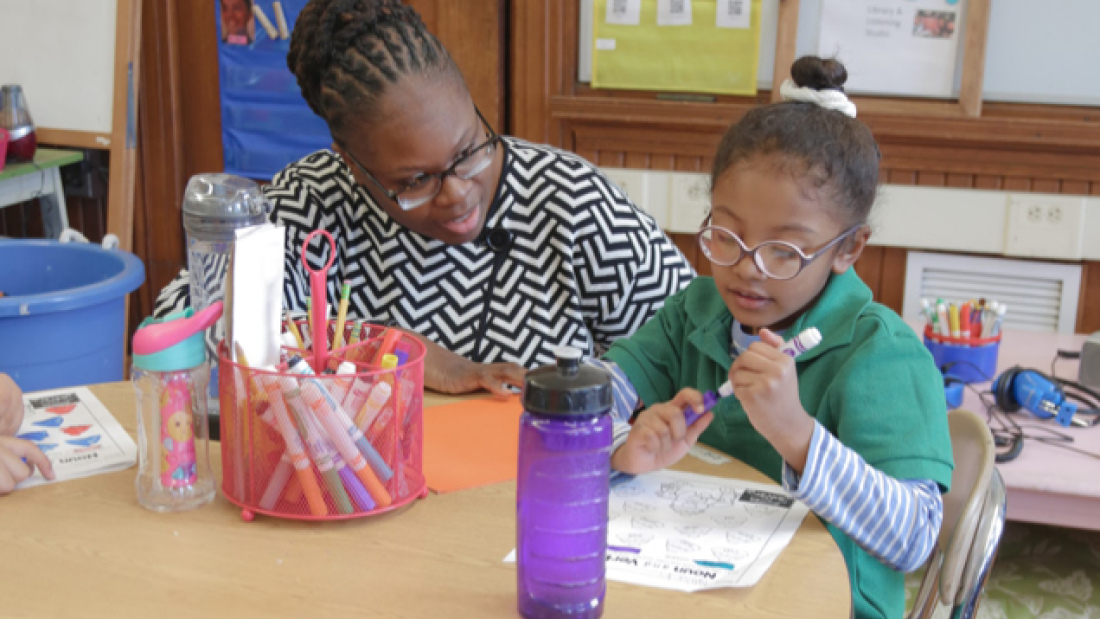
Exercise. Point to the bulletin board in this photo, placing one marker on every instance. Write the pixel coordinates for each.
(266, 124)
(710, 46)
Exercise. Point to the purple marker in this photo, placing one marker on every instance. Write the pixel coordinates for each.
(794, 347)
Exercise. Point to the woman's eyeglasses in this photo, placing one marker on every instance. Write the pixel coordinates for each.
(426, 187)
(776, 259)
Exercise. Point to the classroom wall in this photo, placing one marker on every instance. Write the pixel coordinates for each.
(1012, 148)
(1035, 53)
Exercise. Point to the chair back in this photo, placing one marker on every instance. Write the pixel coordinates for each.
(973, 520)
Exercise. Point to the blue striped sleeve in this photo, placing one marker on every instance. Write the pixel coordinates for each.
(625, 401)
(839, 485)
(624, 397)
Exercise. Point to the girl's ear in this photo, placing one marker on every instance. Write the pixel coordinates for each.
(851, 249)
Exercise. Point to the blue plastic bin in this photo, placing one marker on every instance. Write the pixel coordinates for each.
(62, 316)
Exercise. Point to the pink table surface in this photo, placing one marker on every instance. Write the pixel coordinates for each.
(1047, 483)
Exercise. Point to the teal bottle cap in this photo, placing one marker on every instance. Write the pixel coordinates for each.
(174, 342)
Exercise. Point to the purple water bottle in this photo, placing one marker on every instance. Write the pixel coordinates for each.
(562, 489)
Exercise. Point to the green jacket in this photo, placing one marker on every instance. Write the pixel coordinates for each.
(871, 383)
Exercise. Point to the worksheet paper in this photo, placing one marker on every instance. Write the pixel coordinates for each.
(690, 532)
(77, 433)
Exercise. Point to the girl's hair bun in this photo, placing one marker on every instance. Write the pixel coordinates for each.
(819, 73)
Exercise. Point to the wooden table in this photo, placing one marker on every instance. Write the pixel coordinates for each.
(41, 179)
(85, 548)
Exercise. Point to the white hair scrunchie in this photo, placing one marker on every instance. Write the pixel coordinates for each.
(829, 99)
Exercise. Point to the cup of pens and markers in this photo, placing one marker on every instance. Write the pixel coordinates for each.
(335, 430)
(324, 440)
(964, 337)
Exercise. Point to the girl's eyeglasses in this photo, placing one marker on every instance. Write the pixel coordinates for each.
(426, 187)
(776, 259)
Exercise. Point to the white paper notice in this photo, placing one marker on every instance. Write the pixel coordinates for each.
(901, 47)
(624, 12)
(673, 12)
(691, 532)
(605, 45)
(256, 305)
(733, 14)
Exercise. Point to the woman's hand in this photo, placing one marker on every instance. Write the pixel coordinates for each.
(448, 372)
(460, 375)
(765, 380)
(660, 436)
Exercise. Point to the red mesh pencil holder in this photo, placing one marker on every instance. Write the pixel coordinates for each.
(321, 446)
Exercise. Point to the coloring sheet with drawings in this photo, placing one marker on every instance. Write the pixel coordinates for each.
(76, 432)
(692, 532)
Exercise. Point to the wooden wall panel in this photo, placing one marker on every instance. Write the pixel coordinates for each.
(1088, 311)
(473, 32)
(158, 238)
(869, 268)
(200, 101)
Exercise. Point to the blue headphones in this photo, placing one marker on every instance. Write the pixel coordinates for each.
(1043, 396)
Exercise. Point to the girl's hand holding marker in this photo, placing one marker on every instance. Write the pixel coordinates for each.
(801, 343)
(765, 381)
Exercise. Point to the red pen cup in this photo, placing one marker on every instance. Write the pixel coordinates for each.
(278, 456)
(971, 360)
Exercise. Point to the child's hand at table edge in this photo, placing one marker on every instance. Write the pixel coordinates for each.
(660, 436)
(13, 469)
(11, 406)
(765, 380)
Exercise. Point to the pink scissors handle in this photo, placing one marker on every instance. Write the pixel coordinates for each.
(318, 279)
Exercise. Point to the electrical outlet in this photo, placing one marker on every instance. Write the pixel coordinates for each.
(1045, 225)
(646, 188)
(632, 182)
(688, 201)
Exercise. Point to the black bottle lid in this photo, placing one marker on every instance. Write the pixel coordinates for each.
(567, 388)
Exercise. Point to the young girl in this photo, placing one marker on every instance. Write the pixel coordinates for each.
(856, 428)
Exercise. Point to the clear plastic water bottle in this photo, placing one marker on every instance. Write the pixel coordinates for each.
(215, 205)
(170, 375)
(562, 489)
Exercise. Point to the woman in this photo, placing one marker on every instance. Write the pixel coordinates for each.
(494, 250)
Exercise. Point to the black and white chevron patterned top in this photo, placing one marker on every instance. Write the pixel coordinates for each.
(584, 267)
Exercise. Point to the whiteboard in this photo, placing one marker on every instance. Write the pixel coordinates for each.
(62, 52)
(1036, 52)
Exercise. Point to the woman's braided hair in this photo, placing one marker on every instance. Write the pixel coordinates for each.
(346, 52)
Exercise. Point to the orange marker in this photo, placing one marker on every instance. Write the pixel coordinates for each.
(295, 449)
(389, 342)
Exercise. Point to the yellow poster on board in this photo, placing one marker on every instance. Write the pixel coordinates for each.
(710, 46)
